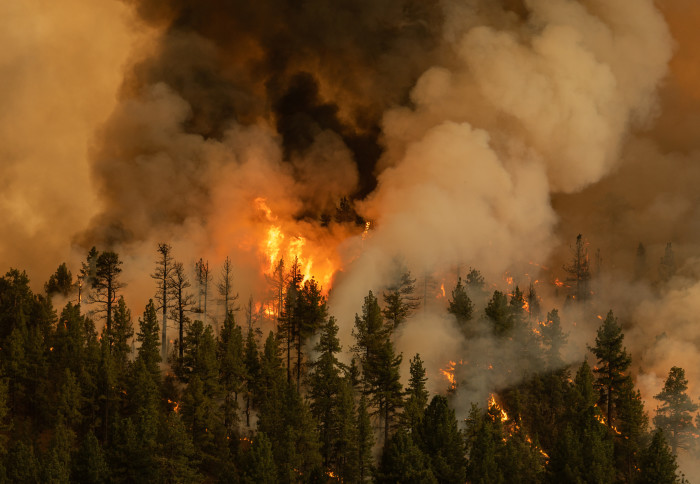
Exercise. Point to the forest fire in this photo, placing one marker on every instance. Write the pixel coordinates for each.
(280, 246)
(449, 374)
(493, 405)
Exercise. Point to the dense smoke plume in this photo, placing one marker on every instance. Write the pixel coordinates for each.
(469, 133)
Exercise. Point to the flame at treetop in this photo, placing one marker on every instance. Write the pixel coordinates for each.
(280, 244)
(494, 405)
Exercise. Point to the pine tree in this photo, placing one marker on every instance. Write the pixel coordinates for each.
(120, 336)
(499, 314)
(461, 307)
(289, 317)
(416, 396)
(640, 263)
(403, 461)
(202, 271)
(163, 277)
(252, 371)
(182, 303)
(259, 464)
(60, 282)
(658, 463)
(553, 339)
(148, 338)
(399, 301)
(441, 441)
(674, 415)
(613, 361)
(579, 271)
(632, 428)
(311, 313)
(176, 459)
(225, 288)
(667, 266)
(325, 389)
(232, 370)
(89, 465)
(106, 285)
(533, 303)
(365, 441)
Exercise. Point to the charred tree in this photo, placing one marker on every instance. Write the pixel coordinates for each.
(225, 288)
(202, 271)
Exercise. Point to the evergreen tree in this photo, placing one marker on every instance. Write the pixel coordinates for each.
(176, 460)
(667, 266)
(89, 465)
(60, 282)
(148, 338)
(120, 336)
(106, 285)
(182, 303)
(22, 465)
(674, 415)
(259, 464)
(225, 288)
(403, 461)
(325, 388)
(613, 361)
(252, 371)
(461, 307)
(553, 339)
(163, 276)
(289, 318)
(658, 463)
(232, 370)
(399, 301)
(442, 442)
(632, 430)
(640, 263)
(499, 314)
(201, 268)
(533, 303)
(416, 396)
(311, 313)
(365, 442)
(579, 271)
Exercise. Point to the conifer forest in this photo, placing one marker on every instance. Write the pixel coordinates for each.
(391, 241)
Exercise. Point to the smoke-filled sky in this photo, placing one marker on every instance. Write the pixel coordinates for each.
(470, 132)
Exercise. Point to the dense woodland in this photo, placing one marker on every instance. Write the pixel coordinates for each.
(228, 402)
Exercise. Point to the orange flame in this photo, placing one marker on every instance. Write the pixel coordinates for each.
(442, 288)
(176, 407)
(449, 374)
(493, 404)
(280, 245)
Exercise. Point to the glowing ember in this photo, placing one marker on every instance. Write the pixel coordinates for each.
(176, 405)
(442, 288)
(366, 231)
(558, 283)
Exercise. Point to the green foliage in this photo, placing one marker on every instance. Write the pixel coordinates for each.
(461, 307)
(149, 339)
(399, 301)
(403, 461)
(88, 464)
(416, 396)
(442, 443)
(499, 314)
(259, 463)
(60, 282)
(674, 415)
(658, 464)
(613, 362)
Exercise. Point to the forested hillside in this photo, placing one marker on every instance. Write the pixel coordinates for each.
(232, 402)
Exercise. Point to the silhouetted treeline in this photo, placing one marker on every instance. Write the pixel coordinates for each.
(243, 405)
